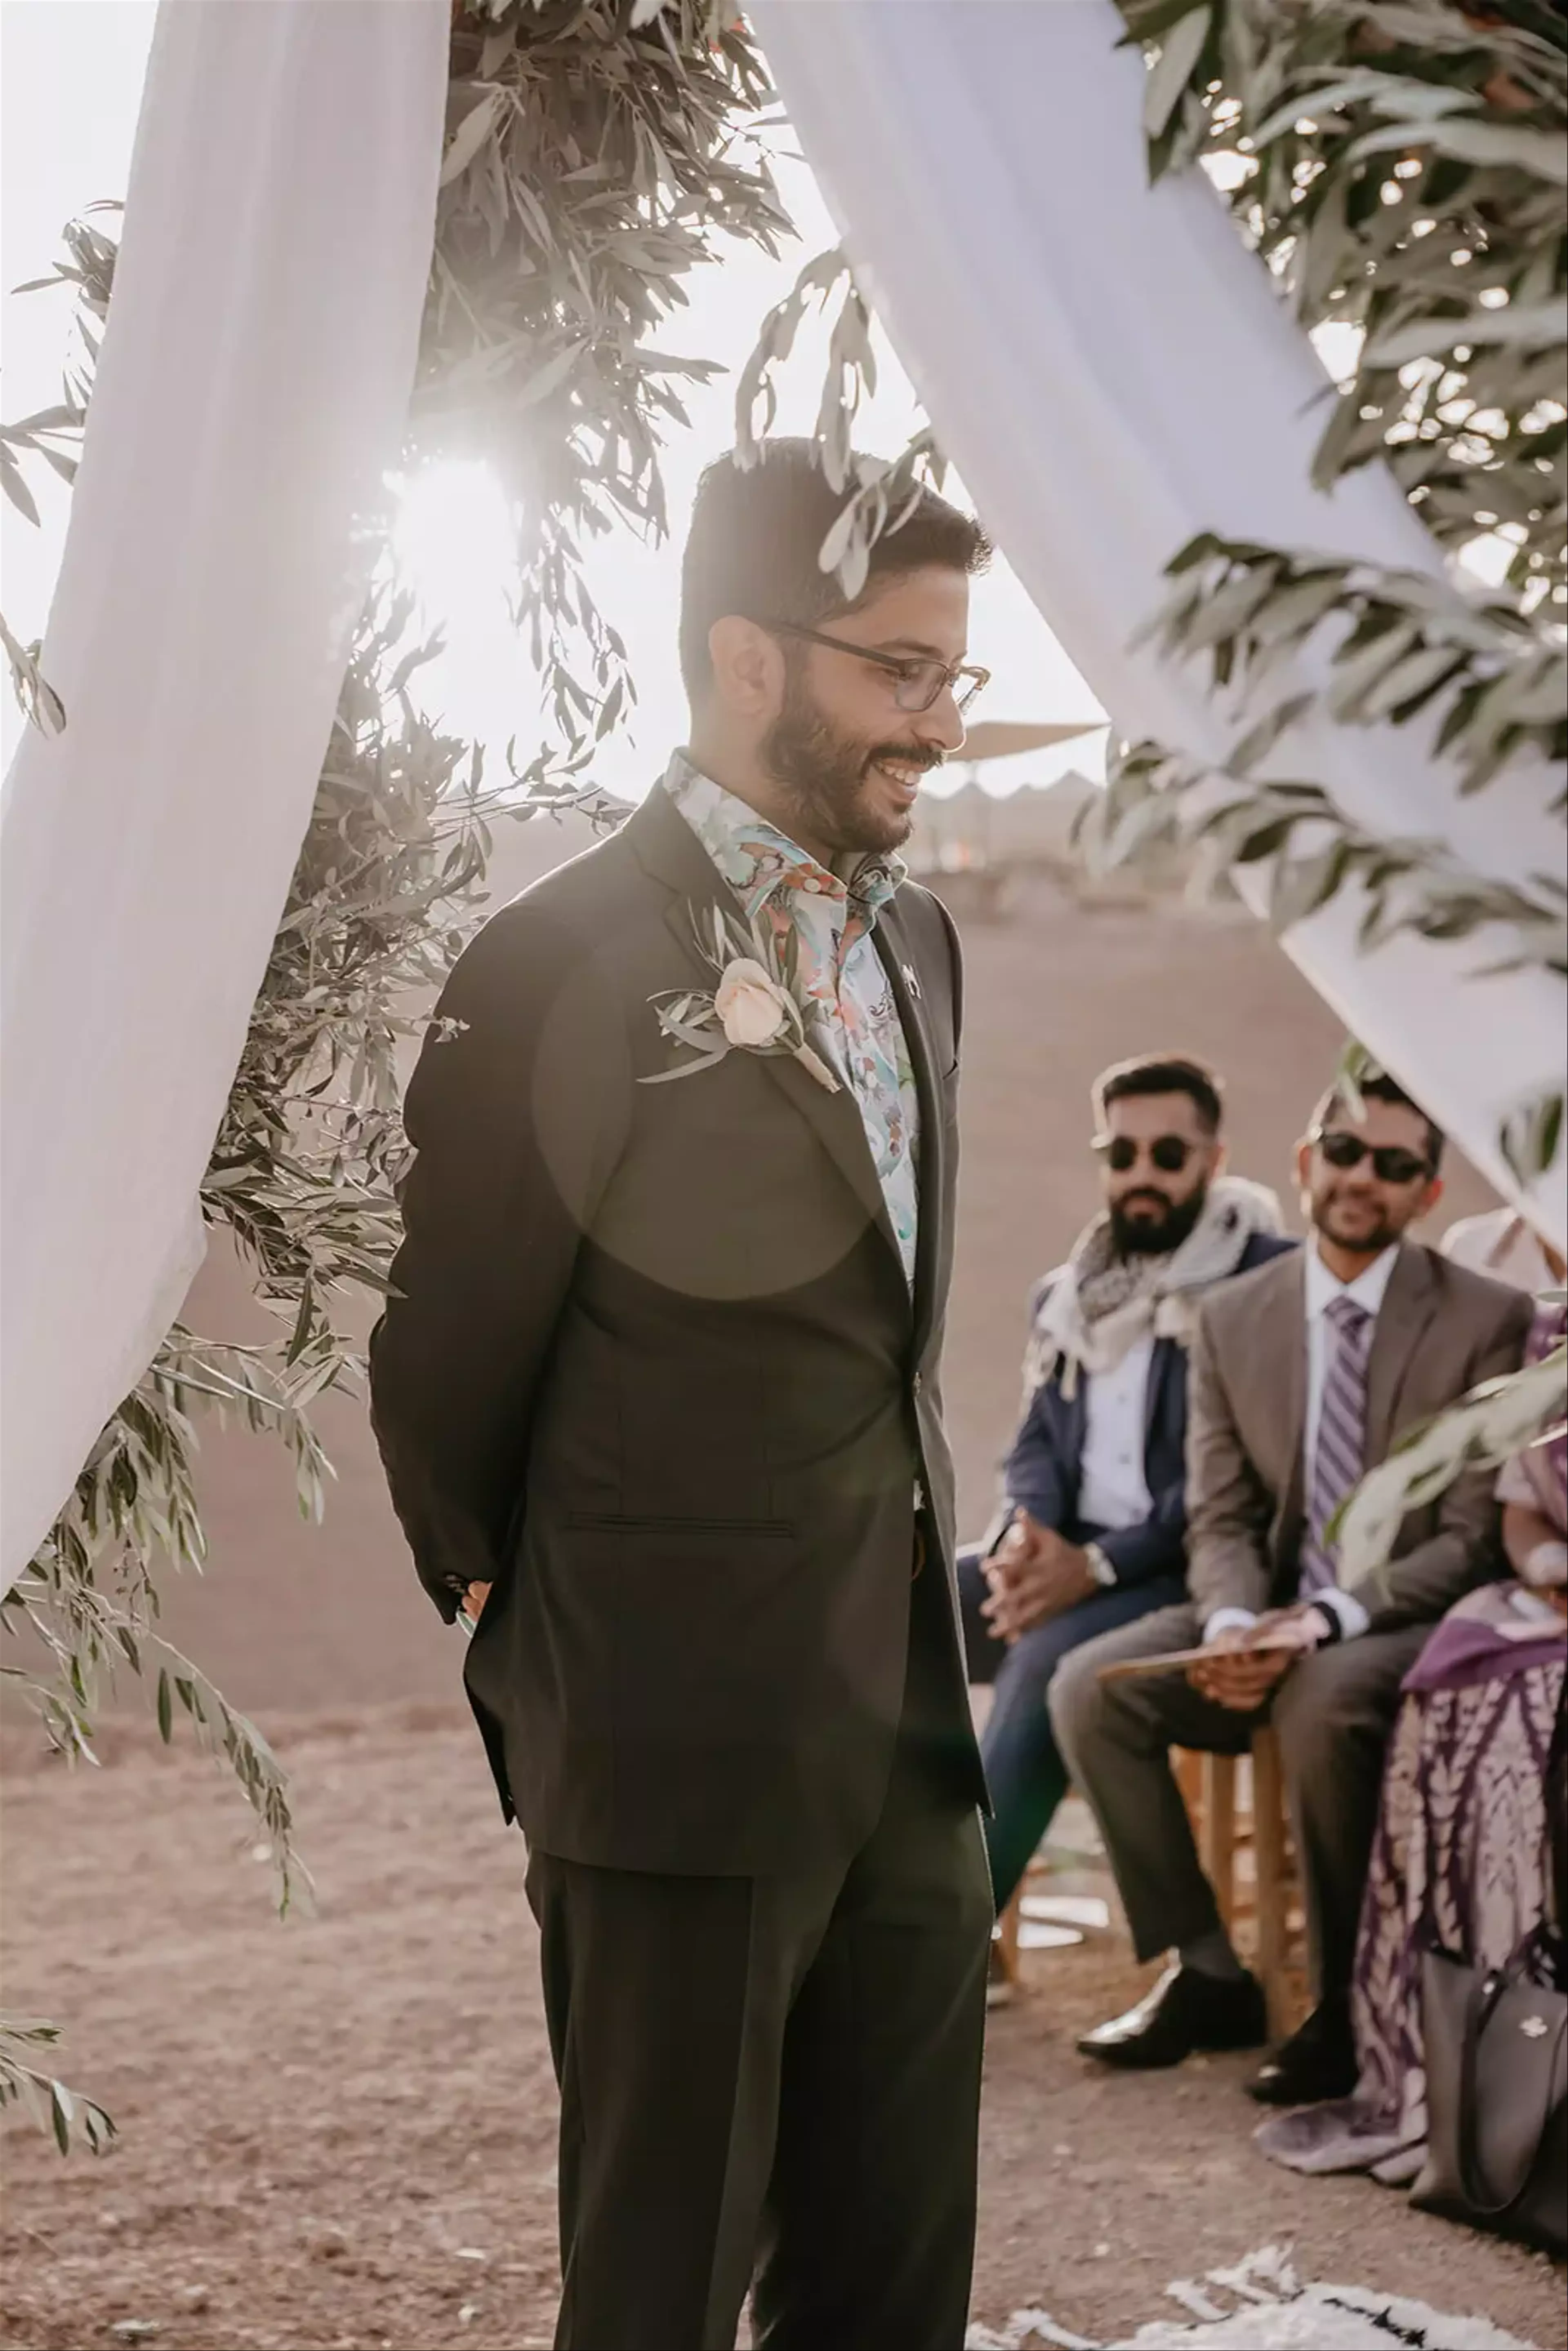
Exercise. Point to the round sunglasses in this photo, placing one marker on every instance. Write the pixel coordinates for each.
(1391, 1163)
(1169, 1153)
(919, 682)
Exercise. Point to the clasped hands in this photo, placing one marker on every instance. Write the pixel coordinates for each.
(1242, 1676)
(1033, 1574)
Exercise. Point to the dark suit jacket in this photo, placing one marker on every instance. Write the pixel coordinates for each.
(1043, 1471)
(653, 1368)
(1442, 1330)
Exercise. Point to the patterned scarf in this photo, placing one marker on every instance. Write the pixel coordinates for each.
(1103, 1304)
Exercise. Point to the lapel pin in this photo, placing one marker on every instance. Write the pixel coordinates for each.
(911, 979)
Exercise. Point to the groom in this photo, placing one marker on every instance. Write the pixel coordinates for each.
(657, 1394)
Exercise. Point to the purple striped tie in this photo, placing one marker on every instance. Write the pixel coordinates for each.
(1340, 1457)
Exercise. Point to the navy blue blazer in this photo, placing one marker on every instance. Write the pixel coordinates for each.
(1042, 1473)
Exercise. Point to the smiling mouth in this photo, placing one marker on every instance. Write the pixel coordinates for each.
(903, 774)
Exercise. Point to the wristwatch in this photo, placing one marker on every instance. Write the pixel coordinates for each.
(1099, 1567)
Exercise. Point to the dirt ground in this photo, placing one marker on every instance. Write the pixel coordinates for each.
(339, 2131)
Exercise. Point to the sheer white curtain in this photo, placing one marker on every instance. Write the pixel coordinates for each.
(1111, 372)
(253, 387)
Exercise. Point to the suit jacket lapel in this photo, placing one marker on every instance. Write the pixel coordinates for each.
(669, 849)
(1408, 1305)
(893, 947)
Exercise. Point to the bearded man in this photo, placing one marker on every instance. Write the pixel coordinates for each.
(1092, 1530)
(657, 1394)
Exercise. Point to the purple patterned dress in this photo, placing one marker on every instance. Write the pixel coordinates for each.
(1460, 1859)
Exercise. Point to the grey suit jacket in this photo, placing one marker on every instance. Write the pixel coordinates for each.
(1441, 1332)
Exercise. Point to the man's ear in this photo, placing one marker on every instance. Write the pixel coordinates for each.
(748, 668)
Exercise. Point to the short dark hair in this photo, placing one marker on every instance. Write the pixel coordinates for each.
(1378, 1086)
(1164, 1073)
(756, 535)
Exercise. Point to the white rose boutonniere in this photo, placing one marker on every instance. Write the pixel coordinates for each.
(753, 1008)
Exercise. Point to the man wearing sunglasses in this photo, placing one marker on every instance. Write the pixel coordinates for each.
(1093, 1533)
(1303, 1377)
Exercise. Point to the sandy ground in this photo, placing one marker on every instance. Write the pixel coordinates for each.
(339, 2131)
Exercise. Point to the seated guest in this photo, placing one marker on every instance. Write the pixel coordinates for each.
(1460, 1860)
(1092, 1530)
(1303, 1376)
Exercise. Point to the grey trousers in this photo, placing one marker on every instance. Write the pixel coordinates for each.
(1332, 1714)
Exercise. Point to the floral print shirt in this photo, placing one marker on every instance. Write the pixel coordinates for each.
(852, 1017)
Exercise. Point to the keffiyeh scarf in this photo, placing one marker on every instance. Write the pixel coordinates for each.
(1101, 1304)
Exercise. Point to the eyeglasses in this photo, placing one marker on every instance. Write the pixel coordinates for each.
(1391, 1163)
(919, 682)
(1169, 1153)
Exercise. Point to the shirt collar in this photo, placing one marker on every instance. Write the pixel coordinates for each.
(756, 859)
(1366, 1290)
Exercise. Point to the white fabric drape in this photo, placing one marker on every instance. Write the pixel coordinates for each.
(253, 387)
(1112, 372)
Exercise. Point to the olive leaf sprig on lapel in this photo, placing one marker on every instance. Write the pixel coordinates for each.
(753, 1008)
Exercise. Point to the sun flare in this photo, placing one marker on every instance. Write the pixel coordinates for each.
(453, 547)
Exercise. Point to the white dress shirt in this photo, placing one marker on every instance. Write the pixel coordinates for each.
(1112, 1489)
(1367, 1291)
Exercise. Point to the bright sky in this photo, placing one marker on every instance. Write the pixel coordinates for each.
(71, 85)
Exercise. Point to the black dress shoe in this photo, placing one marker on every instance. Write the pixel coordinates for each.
(1316, 2064)
(1185, 2011)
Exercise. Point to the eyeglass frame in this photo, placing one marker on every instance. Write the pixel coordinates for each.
(947, 673)
(1422, 1169)
(1105, 1147)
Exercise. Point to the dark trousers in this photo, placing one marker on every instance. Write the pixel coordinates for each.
(776, 2080)
(1024, 1767)
(1332, 1714)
